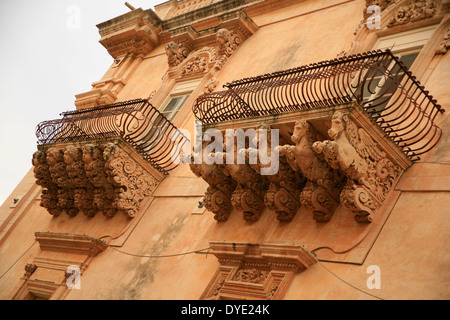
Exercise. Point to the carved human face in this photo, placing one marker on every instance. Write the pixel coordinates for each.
(87, 156)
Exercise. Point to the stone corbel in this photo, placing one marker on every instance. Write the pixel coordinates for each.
(370, 173)
(283, 194)
(323, 186)
(108, 177)
(255, 271)
(134, 32)
(248, 197)
(217, 198)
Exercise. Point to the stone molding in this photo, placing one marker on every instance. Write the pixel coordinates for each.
(46, 276)
(255, 271)
(89, 177)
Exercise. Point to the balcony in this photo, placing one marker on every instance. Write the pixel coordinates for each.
(104, 159)
(347, 127)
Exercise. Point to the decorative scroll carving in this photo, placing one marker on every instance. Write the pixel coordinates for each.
(58, 173)
(49, 197)
(131, 182)
(321, 193)
(217, 198)
(417, 10)
(194, 66)
(94, 166)
(248, 196)
(29, 269)
(84, 190)
(91, 178)
(210, 85)
(176, 53)
(445, 44)
(255, 271)
(285, 186)
(370, 173)
(228, 41)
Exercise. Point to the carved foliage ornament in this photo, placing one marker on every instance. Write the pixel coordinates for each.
(417, 10)
(370, 174)
(90, 179)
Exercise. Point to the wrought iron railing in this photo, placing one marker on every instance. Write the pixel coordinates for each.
(136, 121)
(378, 81)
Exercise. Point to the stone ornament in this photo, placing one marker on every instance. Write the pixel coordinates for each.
(91, 178)
(283, 194)
(228, 41)
(217, 197)
(176, 53)
(255, 271)
(417, 10)
(370, 174)
(321, 192)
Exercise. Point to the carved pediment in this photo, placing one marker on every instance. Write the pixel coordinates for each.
(255, 271)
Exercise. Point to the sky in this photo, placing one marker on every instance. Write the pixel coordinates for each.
(49, 52)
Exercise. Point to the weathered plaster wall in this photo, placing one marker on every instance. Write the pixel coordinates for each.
(410, 248)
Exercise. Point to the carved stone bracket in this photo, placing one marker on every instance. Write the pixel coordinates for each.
(255, 271)
(217, 198)
(321, 193)
(370, 173)
(91, 177)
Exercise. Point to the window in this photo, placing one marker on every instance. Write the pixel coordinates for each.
(177, 98)
(174, 105)
(406, 46)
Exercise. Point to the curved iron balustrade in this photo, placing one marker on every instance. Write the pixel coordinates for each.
(136, 121)
(378, 81)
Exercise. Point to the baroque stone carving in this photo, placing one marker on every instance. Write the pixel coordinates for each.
(49, 196)
(176, 53)
(417, 10)
(91, 178)
(445, 44)
(29, 269)
(94, 166)
(228, 41)
(370, 174)
(255, 271)
(248, 196)
(58, 173)
(321, 193)
(130, 181)
(196, 65)
(283, 194)
(217, 198)
(83, 189)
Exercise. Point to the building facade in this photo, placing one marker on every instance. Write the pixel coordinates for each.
(246, 149)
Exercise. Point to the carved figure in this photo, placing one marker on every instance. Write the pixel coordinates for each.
(228, 41)
(94, 166)
(370, 174)
(217, 198)
(49, 196)
(321, 193)
(84, 191)
(176, 53)
(285, 186)
(248, 196)
(57, 168)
